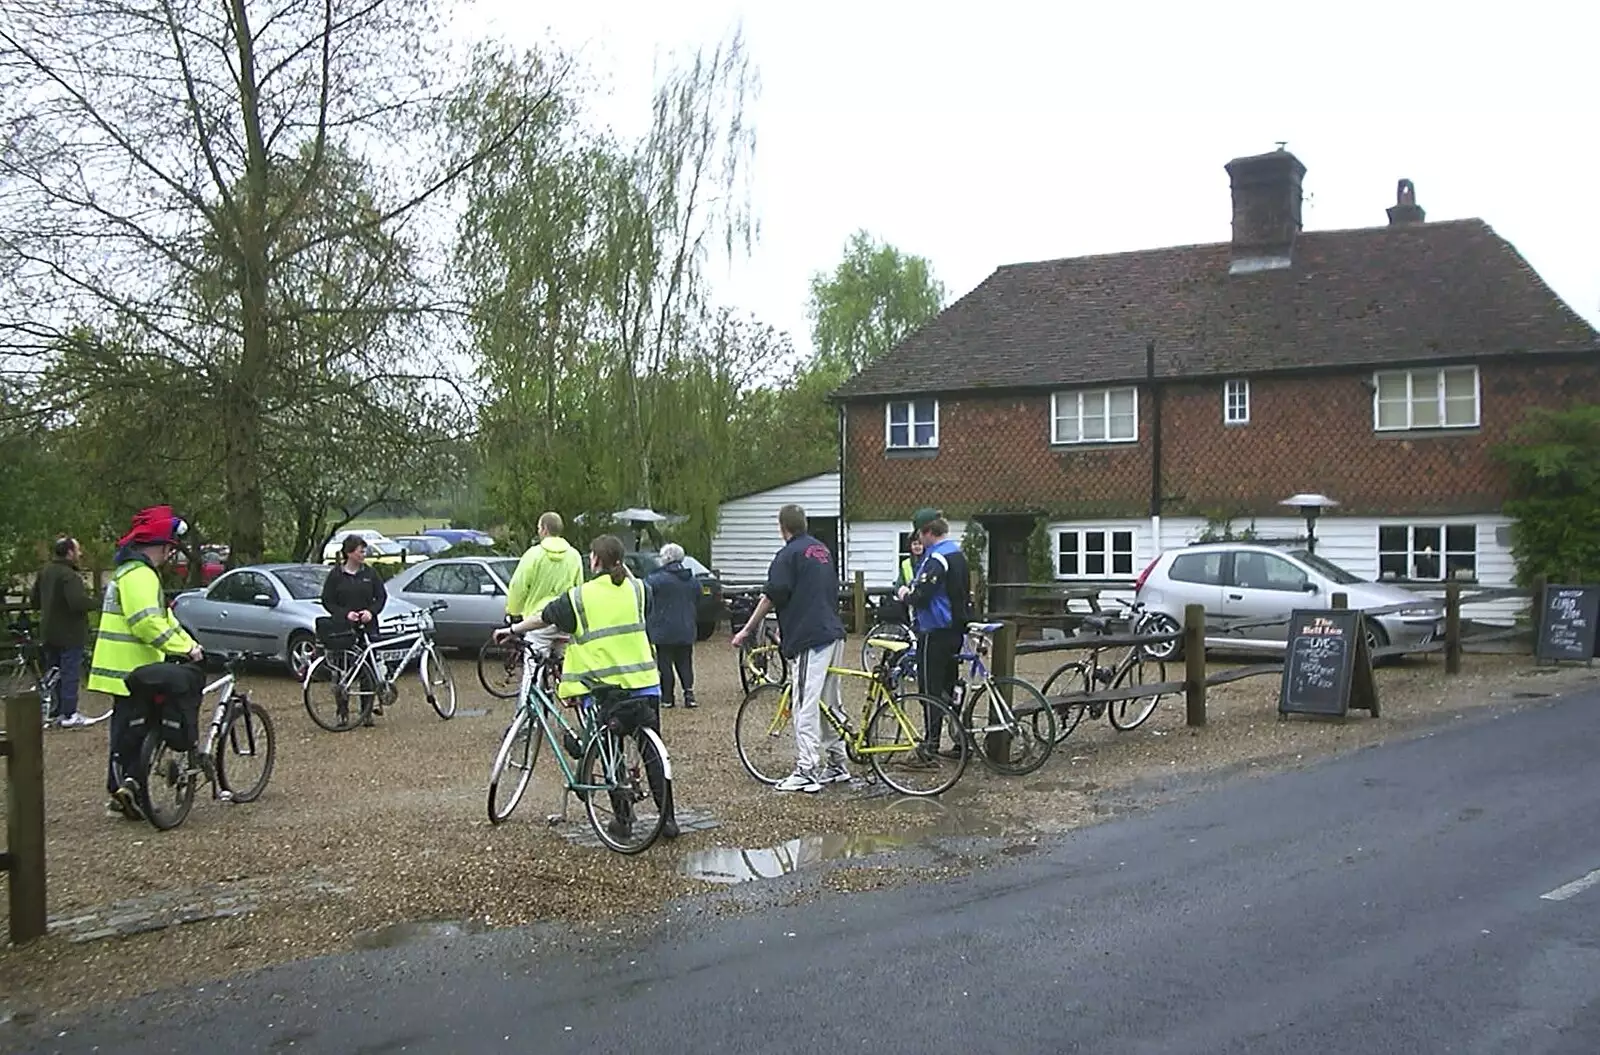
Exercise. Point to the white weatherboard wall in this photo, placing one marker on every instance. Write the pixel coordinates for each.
(1350, 542)
(747, 527)
(873, 547)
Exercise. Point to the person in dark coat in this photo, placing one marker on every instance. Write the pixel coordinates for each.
(63, 605)
(671, 623)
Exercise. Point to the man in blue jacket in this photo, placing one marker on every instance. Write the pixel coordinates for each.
(941, 605)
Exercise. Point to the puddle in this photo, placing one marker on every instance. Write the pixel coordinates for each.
(397, 934)
(733, 864)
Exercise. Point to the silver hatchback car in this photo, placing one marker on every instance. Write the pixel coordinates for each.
(1246, 588)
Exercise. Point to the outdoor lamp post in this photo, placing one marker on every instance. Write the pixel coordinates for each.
(1311, 507)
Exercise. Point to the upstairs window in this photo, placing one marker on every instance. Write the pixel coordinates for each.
(1236, 403)
(1101, 415)
(1425, 399)
(911, 424)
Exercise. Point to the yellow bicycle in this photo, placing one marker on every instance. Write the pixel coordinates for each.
(889, 736)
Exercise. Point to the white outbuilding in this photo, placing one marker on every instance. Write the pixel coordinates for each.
(747, 526)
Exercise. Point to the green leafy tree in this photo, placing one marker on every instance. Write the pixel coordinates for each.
(1554, 458)
(870, 302)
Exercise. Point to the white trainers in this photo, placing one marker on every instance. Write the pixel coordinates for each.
(799, 780)
(75, 720)
(835, 773)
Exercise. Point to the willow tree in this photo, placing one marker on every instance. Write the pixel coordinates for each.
(153, 146)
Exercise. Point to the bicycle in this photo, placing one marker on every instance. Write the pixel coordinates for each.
(499, 669)
(1137, 666)
(764, 663)
(887, 738)
(602, 754)
(884, 630)
(239, 725)
(25, 669)
(373, 672)
(1012, 706)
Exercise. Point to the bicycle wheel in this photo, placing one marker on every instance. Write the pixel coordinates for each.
(1130, 714)
(1068, 678)
(870, 654)
(762, 664)
(336, 700)
(247, 746)
(627, 816)
(764, 735)
(893, 740)
(519, 751)
(437, 682)
(1027, 721)
(167, 782)
(500, 669)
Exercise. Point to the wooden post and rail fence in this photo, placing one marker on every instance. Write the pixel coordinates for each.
(22, 746)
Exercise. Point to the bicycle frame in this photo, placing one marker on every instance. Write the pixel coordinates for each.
(877, 694)
(547, 713)
(386, 673)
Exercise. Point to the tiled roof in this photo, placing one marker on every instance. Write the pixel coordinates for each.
(1356, 298)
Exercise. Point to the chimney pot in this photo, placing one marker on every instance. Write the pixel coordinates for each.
(1405, 209)
(1267, 197)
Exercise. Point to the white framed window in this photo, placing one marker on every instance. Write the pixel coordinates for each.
(1427, 552)
(1425, 399)
(1098, 415)
(1094, 553)
(911, 424)
(1236, 402)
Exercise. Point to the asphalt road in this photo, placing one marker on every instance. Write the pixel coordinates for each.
(1389, 901)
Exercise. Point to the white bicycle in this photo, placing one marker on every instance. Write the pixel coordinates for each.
(366, 670)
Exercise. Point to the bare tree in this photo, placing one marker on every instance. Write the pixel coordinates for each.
(168, 164)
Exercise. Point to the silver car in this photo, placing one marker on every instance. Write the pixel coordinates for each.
(1248, 588)
(474, 587)
(265, 608)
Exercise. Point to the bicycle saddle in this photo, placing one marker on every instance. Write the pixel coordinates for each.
(888, 644)
(983, 628)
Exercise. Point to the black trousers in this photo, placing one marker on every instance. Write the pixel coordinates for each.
(129, 721)
(938, 668)
(675, 660)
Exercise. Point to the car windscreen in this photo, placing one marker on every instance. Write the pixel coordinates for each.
(1326, 568)
(695, 566)
(304, 584)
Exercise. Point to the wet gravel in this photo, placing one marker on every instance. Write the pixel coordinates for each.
(363, 830)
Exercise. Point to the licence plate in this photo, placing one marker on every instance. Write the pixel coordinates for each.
(391, 656)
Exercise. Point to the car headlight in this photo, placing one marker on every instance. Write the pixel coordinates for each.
(1420, 613)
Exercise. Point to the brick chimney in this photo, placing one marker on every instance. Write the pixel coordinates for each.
(1405, 208)
(1266, 210)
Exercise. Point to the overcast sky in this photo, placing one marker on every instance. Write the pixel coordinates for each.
(987, 134)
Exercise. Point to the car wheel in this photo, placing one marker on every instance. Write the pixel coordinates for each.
(1376, 639)
(302, 650)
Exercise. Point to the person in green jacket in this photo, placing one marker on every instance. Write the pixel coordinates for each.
(548, 569)
(63, 606)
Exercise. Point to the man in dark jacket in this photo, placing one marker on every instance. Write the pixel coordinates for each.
(803, 586)
(671, 623)
(63, 605)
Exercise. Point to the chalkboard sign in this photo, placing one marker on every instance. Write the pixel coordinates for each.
(1326, 667)
(1567, 622)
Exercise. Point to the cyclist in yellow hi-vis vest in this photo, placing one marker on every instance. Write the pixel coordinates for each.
(135, 629)
(610, 648)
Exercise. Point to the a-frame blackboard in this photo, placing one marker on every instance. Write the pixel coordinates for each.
(1567, 616)
(1327, 669)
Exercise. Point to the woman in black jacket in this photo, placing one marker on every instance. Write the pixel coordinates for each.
(352, 593)
(671, 622)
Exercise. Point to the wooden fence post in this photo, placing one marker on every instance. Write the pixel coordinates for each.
(1536, 609)
(24, 856)
(1452, 627)
(1194, 662)
(861, 601)
(1341, 600)
(1003, 665)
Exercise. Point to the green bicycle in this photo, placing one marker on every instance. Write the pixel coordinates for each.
(632, 769)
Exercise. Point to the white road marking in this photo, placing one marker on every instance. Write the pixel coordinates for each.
(1577, 886)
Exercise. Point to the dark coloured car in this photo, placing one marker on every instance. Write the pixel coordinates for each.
(709, 609)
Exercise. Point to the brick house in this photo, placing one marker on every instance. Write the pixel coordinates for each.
(1134, 399)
